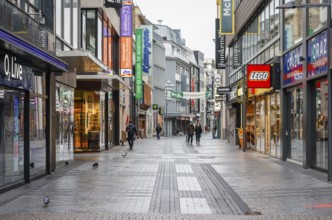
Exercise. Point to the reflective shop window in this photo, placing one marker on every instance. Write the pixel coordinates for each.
(11, 136)
(293, 28)
(316, 18)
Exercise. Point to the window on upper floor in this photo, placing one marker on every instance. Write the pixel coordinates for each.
(66, 22)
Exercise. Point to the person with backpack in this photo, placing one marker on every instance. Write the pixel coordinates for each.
(132, 131)
(198, 133)
(158, 130)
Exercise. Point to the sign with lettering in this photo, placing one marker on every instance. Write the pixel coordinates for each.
(138, 64)
(258, 76)
(293, 68)
(223, 90)
(126, 20)
(147, 67)
(317, 55)
(9, 68)
(227, 17)
(220, 47)
(113, 3)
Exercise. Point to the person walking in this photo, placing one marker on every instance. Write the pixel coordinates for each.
(214, 131)
(158, 130)
(190, 133)
(198, 133)
(132, 131)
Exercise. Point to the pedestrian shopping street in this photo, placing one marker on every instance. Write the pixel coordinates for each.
(167, 179)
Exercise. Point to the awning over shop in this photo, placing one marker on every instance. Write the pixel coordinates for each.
(100, 76)
(82, 61)
(29, 55)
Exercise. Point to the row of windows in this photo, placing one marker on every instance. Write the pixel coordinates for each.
(266, 55)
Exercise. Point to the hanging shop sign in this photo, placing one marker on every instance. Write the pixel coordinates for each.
(227, 17)
(292, 66)
(317, 55)
(138, 65)
(113, 3)
(147, 35)
(258, 76)
(220, 47)
(126, 40)
(222, 90)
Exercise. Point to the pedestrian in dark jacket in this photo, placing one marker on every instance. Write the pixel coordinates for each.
(198, 133)
(132, 131)
(158, 130)
(190, 133)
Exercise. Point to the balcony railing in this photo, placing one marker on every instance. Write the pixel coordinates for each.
(25, 27)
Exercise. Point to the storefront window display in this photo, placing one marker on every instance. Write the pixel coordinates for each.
(65, 120)
(275, 123)
(11, 136)
(89, 120)
(260, 124)
(321, 148)
(296, 124)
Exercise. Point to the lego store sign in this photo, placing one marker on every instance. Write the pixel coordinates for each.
(259, 76)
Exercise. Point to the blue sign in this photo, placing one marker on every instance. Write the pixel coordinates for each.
(317, 55)
(293, 68)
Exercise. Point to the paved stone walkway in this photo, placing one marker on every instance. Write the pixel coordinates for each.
(168, 179)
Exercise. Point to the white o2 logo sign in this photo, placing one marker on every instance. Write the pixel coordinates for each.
(10, 68)
(258, 76)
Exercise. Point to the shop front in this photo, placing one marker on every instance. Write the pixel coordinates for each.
(91, 113)
(294, 96)
(25, 78)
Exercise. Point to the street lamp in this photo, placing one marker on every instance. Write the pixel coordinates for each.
(168, 87)
(292, 5)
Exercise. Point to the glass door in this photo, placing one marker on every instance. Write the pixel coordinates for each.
(11, 136)
(321, 143)
(296, 124)
(275, 125)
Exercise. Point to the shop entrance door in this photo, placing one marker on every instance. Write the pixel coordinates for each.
(320, 150)
(11, 136)
(295, 101)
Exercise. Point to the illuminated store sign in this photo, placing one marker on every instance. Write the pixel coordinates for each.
(9, 68)
(317, 54)
(259, 76)
(293, 68)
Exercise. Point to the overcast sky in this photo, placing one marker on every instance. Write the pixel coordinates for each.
(195, 19)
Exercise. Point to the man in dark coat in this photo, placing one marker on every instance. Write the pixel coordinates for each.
(132, 131)
(198, 133)
(158, 130)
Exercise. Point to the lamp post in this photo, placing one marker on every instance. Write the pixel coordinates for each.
(168, 87)
(292, 5)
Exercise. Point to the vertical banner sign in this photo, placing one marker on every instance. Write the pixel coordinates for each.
(147, 49)
(227, 17)
(202, 105)
(220, 47)
(139, 64)
(126, 40)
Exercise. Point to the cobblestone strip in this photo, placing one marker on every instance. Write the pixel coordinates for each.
(225, 189)
(218, 198)
(165, 197)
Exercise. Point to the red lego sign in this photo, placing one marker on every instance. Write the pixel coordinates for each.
(258, 76)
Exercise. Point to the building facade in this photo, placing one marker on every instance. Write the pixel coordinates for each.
(290, 119)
